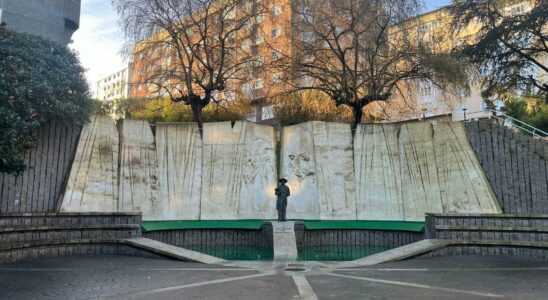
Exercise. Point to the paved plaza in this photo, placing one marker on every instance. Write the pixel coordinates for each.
(121, 277)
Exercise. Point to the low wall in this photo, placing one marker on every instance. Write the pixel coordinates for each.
(186, 238)
(33, 235)
(389, 238)
(507, 234)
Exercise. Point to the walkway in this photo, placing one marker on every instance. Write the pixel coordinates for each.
(119, 277)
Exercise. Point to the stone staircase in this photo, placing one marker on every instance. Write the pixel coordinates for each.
(506, 234)
(31, 235)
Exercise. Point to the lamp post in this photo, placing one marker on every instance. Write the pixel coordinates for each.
(464, 109)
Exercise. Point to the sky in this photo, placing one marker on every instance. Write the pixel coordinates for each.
(99, 39)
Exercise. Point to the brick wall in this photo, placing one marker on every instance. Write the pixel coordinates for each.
(516, 166)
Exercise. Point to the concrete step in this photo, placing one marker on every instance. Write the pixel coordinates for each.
(285, 244)
(173, 251)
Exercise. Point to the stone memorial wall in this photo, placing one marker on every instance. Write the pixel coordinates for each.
(384, 172)
(316, 159)
(406, 170)
(93, 181)
(179, 151)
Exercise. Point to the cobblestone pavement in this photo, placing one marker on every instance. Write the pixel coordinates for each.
(121, 277)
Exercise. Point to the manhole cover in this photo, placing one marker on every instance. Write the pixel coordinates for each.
(295, 265)
(295, 269)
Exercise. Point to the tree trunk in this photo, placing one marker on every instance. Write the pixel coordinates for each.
(197, 108)
(357, 109)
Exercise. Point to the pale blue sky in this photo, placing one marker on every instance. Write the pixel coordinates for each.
(99, 39)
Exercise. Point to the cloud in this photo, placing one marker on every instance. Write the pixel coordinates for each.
(98, 40)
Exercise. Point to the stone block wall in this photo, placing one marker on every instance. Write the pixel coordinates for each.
(354, 237)
(38, 188)
(215, 237)
(504, 234)
(516, 166)
(32, 235)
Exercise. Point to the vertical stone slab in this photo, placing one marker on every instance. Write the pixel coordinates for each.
(334, 170)
(298, 166)
(259, 175)
(93, 181)
(464, 187)
(223, 156)
(179, 150)
(419, 174)
(139, 172)
(377, 173)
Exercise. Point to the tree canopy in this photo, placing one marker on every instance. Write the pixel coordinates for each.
(190, 47)
(361, 51)
(40, 81)
(510, 49)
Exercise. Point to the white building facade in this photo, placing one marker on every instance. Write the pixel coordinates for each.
(115, 86)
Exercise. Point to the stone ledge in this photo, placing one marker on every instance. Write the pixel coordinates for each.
(490, 228)
(36, 244)
(70, 227)
(489, 216)
(527, 244)
(69, 214)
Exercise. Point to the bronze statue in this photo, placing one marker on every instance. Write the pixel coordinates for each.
(282, 191)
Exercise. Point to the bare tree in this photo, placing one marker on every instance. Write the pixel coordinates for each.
(188, 49)
(362, 51)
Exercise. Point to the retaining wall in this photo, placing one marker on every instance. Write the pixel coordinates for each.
(38, 188)
(516, 166)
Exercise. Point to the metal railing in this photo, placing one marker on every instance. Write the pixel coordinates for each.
(509, 122)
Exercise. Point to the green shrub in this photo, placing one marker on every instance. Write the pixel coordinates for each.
(40, 81)
(310, 106)
(165, 110)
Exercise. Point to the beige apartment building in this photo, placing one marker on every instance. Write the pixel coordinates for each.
(273, 37)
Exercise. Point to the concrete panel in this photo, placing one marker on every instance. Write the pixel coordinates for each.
(406, 170)
(418, 169)
(298, 166)
(139, 172)
(179, 150)
(238, 172)
(259, 176)
(334, 170)
(93, 181)
(464, 187)
(377, 165)
(223, 156)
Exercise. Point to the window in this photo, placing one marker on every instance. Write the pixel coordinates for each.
(258, 84)
(276, 32)
(276, 55)
(259, 18)
(276, 10)
(307, 37)
(276, 78)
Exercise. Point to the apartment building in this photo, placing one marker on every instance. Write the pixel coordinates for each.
(116, 85)
(54, 20)
(272, 37)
